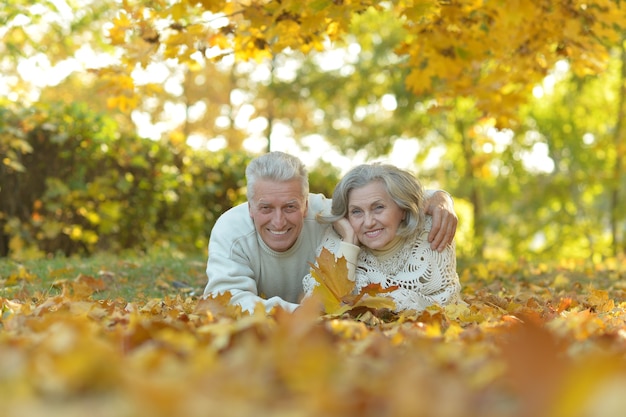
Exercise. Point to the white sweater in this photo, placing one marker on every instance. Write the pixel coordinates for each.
(242, 264)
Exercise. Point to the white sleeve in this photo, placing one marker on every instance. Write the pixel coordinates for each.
(351, 253)
(429, 193)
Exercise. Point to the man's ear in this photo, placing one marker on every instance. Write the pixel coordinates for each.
(306, 206)
(250, 209)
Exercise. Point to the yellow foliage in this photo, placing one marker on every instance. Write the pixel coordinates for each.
(492, 51)
(121, 24)
(122, 103)
(475, 46)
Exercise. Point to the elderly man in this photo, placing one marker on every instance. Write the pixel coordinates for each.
(260, 251)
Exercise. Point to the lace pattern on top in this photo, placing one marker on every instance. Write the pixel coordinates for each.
(423, 276)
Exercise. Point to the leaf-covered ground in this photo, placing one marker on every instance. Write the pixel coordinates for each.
(534, 340)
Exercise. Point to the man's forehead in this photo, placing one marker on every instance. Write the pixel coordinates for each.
(277, 192)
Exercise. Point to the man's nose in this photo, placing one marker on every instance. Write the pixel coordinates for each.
(279, 219)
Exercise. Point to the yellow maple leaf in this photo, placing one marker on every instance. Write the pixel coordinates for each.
(117, 33)
(600, 301)
(419, 81)
(336, 291)
(332, 275)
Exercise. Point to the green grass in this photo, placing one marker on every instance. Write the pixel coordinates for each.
(161, 274)
(132, 277)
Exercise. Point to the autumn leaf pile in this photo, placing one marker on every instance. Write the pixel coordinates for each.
(529, 342)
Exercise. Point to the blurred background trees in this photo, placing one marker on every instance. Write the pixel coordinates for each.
(128, 125)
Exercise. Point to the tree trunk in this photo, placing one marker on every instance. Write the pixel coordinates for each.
(620, 150)
(270, 108)
(474, 193)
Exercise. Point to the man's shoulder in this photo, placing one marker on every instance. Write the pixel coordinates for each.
(235, 219)
(319, 203)
(233, 231)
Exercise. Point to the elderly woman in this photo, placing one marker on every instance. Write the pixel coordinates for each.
(379, 226)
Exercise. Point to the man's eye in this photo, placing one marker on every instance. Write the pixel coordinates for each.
(291, 208)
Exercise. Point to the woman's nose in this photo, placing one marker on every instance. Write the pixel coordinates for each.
(369, 219)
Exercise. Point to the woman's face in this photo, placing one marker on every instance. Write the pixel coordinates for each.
(373, 215)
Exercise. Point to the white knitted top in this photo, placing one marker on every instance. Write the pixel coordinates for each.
(423, 276)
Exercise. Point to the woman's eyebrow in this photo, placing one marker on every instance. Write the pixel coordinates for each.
(379, 201)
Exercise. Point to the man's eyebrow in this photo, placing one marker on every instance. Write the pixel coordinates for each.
(294, 201)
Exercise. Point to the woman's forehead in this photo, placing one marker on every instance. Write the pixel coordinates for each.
(369, 193)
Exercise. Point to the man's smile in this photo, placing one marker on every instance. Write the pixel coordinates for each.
(278, 232)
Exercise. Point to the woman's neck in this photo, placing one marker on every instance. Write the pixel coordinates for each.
(389, 249)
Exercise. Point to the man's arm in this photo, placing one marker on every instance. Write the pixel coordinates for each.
(440, 206)
(229, 271)
(229, 275)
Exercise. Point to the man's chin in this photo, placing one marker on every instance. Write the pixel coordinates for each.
(280, 248)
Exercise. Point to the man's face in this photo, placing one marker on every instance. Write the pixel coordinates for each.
(278, 210)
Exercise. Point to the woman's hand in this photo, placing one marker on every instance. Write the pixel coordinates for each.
(345, 231)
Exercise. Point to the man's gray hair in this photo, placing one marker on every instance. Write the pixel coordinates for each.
(279, 167)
